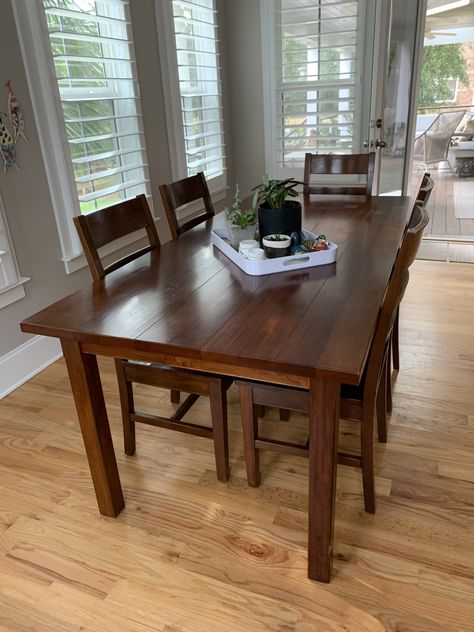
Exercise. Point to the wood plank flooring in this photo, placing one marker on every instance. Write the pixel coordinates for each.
(190, 554)
(441, 206)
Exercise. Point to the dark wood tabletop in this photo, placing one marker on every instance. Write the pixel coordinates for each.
(188, 305)
(189, 300)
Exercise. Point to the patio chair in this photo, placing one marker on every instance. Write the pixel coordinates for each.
(432, 146)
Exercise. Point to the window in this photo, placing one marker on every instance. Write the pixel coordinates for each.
(11, 283)
(311, 54)
(91, 47)
(194, 100)
(82, 76)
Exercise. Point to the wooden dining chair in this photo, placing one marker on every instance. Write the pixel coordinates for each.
(98, 229)
(422, 198)
(357, 403)
(339, 165)
(181, 192)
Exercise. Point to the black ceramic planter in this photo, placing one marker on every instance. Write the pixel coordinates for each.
(283, 221)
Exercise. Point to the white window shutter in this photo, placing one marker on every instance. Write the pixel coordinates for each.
(94, 65)
(194, 98)
(314, 88)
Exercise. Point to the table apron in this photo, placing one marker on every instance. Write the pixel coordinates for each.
(220, 368)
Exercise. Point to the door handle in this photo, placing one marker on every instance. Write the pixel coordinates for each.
(380, 144)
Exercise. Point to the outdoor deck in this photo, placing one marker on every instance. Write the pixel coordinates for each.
(451, 206)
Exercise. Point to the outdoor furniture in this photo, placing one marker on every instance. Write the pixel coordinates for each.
(339, 165)
(311, 328)
(357, 403)
(181, 192)
(432, 146)
(463, 154)
(98, 229)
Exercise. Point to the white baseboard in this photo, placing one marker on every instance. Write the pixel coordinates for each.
(24, 362)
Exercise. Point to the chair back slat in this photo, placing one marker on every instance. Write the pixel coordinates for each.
(334, 165)
(103, 227)
(177, 194)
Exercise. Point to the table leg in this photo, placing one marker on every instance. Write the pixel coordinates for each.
(323, 436)
(89, 398)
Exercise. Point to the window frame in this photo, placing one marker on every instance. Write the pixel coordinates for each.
(46, 100)
(172, 97)
(13, 290)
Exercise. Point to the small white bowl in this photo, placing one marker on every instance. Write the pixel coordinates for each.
(256, 254)
(247, 244)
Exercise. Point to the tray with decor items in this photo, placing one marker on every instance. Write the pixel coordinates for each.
(296, 261)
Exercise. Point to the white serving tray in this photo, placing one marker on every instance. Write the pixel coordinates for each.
(220, 240)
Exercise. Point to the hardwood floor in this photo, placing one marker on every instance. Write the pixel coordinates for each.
(190, 554)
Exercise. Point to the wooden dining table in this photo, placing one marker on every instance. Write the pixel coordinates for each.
(186, 304)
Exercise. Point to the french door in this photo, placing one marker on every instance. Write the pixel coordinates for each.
(338, 79)
(394, 94)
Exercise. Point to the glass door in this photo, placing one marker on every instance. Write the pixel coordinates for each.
(393, 93)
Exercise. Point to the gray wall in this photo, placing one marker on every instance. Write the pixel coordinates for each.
(242, 44)
(28, 207)
(26, 193)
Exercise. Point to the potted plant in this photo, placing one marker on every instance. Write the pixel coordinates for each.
(276, 213)
(241, 223)
(276, 245)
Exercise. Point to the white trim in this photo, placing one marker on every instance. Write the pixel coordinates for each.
(267, 21)
(414, 91)
(43, 90)
(11, 288)
(24, 362)
(12, 293)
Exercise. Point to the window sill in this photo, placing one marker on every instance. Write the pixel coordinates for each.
(13, 293)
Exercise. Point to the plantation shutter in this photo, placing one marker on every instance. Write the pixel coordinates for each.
(195, 31)
(94, 63)
(316, 92)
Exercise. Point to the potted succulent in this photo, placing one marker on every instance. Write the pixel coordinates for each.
(276, 245)
(241, 223)
(276, 213)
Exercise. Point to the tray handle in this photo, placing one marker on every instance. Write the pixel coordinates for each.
(295, 260)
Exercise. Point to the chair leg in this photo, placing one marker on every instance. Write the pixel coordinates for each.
(250, 433)
(218, 401)
(284, 414)
(381, 402)
(395, 341)
(127, 407)
(389, 377)
(175, 396)
(367, 452)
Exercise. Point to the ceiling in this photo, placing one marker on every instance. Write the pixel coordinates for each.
(451, 23)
